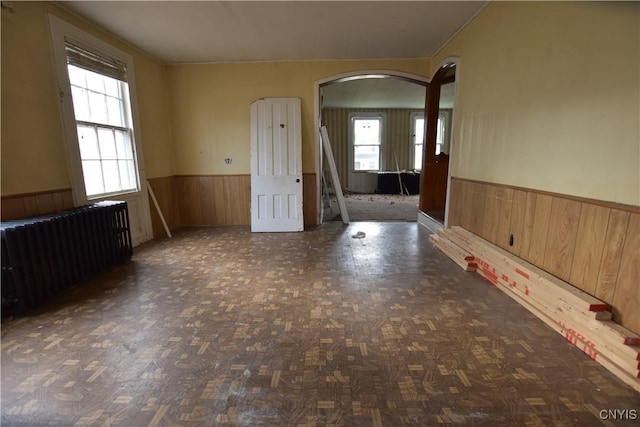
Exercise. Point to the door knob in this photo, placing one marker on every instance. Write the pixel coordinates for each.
(298, 180)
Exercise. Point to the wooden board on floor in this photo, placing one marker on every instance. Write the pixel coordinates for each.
(335, 179)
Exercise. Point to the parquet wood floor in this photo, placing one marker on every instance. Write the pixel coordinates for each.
(219, 326)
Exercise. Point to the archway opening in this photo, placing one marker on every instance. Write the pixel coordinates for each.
(375, 123)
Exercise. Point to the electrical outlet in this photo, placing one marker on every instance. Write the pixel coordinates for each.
(228, 160)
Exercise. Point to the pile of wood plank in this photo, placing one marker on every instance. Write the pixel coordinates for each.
(582, 319)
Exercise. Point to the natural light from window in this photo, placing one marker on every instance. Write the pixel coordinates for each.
(104, 134)
(418, 141)
(366, 145)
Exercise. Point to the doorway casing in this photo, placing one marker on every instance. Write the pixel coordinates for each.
(428, 166)
(351, 75)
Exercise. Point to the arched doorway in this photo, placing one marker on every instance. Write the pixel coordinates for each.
(377, 96)
(438, 144)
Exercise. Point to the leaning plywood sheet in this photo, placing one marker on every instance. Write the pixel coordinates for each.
(335, 180)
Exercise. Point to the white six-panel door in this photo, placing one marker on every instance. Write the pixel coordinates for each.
(276, 165)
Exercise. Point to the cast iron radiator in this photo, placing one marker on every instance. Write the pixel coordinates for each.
(44, 255)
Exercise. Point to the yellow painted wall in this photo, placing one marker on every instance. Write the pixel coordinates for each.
(33, 151)
(210, 107)
(549, 98)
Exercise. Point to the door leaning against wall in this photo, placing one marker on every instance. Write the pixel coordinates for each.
(97, 100)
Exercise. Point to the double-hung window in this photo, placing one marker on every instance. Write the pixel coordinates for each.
(367, 141)
(100, 95)
(417, 121)
(97, 95)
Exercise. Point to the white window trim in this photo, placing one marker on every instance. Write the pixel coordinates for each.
(61, 32)
(445, 114)
(367, 115)
(413, 117)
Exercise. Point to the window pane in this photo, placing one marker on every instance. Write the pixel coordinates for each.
(366, 157)
(111, 176)
(440, 136)
(80, 103)
(419, 131)
(98, 106)
(417, 162)
(88, 142)
(112, 87)
(123, 145)
(92, 177)
(127, 174)
(76, 76)
(114, 107)
(107, 144)
(366, 131)
(95, 82)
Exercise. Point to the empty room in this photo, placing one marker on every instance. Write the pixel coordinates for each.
(180, 243)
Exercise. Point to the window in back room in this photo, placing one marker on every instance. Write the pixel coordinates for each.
(417, 122)
(367, 142)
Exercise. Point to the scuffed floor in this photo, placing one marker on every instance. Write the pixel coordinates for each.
(219, 326)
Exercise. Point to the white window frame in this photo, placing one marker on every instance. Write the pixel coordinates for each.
(61, 33)
(443, 131)
(414, 117)
(382, 117)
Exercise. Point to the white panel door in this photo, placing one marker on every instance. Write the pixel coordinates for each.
(276, 165)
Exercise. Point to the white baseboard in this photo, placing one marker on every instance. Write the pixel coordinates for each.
(426, 221)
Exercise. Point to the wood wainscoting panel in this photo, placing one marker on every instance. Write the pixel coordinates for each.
(209, 200)
(592, 230)
(33, 204)
(593, 245)
(163, 188)
(457, 197)
(540, 231)
(527, 225)
(518, 209)
(236, 191)
(506, 211)
(488, 216)
(626, 298)
(207, 203)
(473, 200)
(561, 239)
(309, 200)
(219, 200)
(496, 214)
(188, 199)
(612, 252)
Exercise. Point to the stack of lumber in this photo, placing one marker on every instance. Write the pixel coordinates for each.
(459, 256)
(579, 317)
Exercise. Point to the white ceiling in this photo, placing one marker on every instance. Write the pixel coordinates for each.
(225, 31)
(233, 31)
